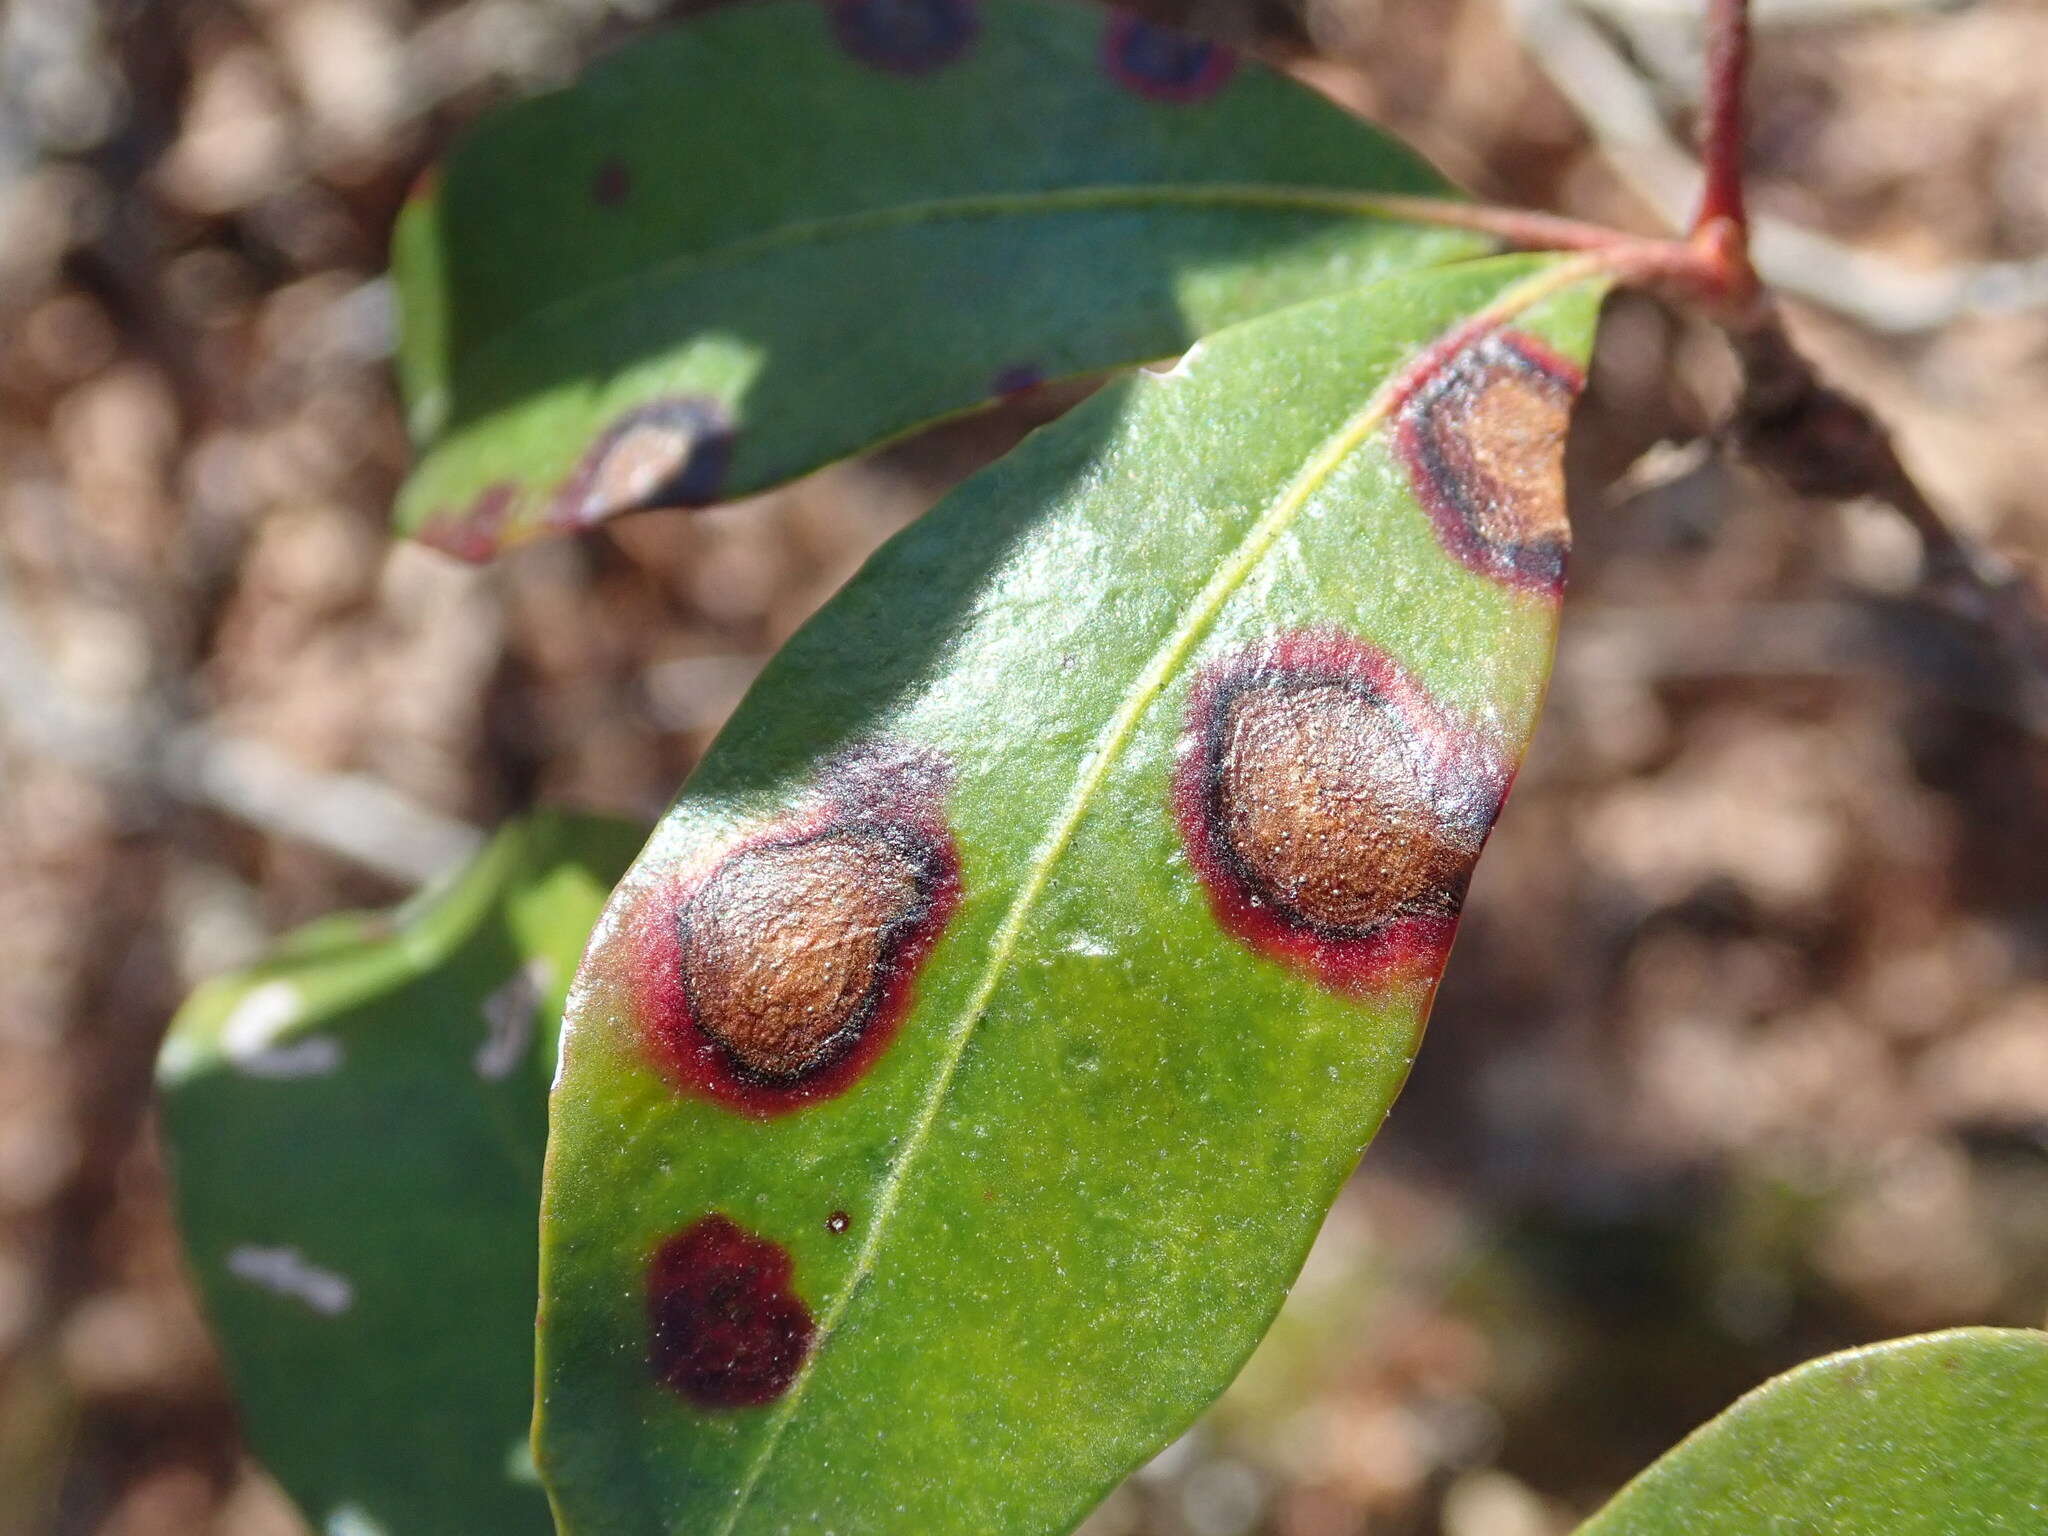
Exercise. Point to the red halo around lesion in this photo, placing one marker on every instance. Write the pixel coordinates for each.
(882, 805)
(476, 532)
(1163, 63)
(1269, 901)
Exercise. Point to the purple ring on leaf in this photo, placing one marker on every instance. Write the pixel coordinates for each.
(905, 37)
(1163, 64)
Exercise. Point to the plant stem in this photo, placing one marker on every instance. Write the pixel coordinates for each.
(1697, 271)
(1722, 125)
(1827, 445)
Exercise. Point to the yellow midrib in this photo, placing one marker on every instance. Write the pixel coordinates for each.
(1115, 736)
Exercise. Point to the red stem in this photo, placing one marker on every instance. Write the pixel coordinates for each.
(1727, 74)
(1711, 266)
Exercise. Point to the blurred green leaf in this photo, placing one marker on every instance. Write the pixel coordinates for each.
(787, 233)
(1941, 1435)
(957, 1081)
(356, 1128)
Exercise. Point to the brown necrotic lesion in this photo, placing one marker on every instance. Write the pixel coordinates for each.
(788, 947)
(1484, 438)
(1333, 810)
(667, 452)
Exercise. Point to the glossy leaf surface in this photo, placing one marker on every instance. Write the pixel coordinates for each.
(356, 1128)
(785, 233)
(1941, 1435)
(953, 1088)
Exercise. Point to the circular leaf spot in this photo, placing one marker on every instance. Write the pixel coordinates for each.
(727, 1331)
(906, 37)
(672, 452)
(611, 184)
(776, 976)
(1483, 436)
(1163, 64)
(1332, 810)
(783, 948)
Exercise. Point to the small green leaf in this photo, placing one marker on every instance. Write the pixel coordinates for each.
(955, 1085)
(787, 233)
(356, 1129)
(1941, 1435)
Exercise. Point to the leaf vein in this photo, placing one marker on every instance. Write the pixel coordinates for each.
(1110, 743)
(1249, 195)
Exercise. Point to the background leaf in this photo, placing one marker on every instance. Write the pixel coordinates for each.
(1941, 1435)
(356, 1127)
(941, 1121)
(786, 233)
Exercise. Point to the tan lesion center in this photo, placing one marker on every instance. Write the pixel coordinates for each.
(1512, 429)
(1331, 805)
(646, 457)
(1498, 441)
(785, 946)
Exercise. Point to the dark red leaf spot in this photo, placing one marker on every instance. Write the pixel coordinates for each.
(1163, 64)
(905, 37)
(838, 1222)
(1017, 379)
(726, 1329)
(1331, 808)
(775, 977)
(478, 531)
(612, 184)
(1483, 436)
(671, 452)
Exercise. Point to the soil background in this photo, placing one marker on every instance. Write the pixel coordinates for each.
(1744, 1052)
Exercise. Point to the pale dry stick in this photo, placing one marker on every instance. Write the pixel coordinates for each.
(1618, 106)
(1821, 442)
(1827, 445)
(148, 750)
(1779, 12)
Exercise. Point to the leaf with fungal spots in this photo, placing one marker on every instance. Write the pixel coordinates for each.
(1945, 1434)
(952, 1089)
(356, 1127)
(788, 233)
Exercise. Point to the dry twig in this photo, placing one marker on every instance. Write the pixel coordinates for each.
(1576, 54)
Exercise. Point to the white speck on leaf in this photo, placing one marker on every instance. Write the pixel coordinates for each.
(250, 1034)
(351, 1520)
(509, 1017)
(178, 1060)
(1184, 366)
(314, 1056)
(284, 1271)
(259, 1018)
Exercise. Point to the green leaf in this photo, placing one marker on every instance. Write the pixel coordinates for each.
(954, 1086)
(742, 250)
(1941, 1435)
(356, 1129)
